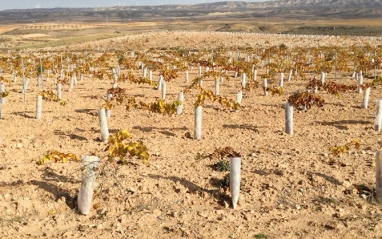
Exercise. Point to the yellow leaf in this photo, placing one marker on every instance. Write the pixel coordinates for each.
(161, 103)
(132, 146)
(52, 212)
(125, 133)
(144, 155)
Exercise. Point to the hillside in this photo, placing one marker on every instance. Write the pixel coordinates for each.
(296, 9)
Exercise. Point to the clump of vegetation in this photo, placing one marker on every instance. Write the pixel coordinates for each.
(4, 94)
(282, 46)
(225, 182)
(374, 83)
(169, 74)
(137, 80)
(2, 79)
(120, 147)
(199, 156)
(55, 156)
(341, 149)
(222, 166)
(305, 100)
(331, 87)
(260, 235)
(207, 94)
(156, 107)
(221, 153)
(119, 96)
(275, 90)
(251, 85)
(49, 95)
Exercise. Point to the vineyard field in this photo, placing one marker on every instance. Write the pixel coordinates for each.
(317, 183)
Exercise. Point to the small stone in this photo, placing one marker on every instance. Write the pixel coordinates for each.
(330, 226)
(19, 145)
(67, 234)
(99, 226)
(346, 184)
(185, 232)
(157, 212)
(81, 228)
(101, 211)
(188, 135)
(203, 214)
(338, 214)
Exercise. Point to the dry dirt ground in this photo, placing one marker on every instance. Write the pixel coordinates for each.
(292, 186)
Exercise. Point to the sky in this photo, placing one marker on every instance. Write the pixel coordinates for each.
(25, 4)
